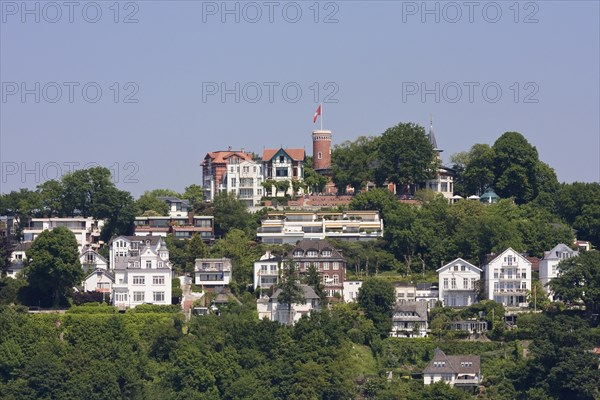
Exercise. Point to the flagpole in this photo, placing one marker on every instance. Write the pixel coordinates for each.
(321, 105)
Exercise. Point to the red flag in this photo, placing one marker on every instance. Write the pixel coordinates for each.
(317, 113)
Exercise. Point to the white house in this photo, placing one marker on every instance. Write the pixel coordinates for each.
(350, 291)
(142, 271)
(405, 292)
(86, 230)
(99, 280)
(273, 310)
(212, 274)
(245, 179)
(177, 207)
(458, 283)
(427, 293)
(549, 264)
(90, 260)
(18, 257)
(284, 165)
(409, 319)
(454, 370)
(266, 271)
(507, 278)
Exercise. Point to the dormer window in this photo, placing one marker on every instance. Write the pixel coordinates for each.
(298, 253)
(326, 253)
(311, 253)
(281, 159)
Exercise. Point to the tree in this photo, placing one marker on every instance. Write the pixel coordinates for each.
(291, 290)
(405, 156)
(314, 182)
(376, 297)
(231, 213)
(194, 194)
(314, 280)
(352, 163)
(579, 280)
(149, 202)
(380, 199)
(478, 174)
(54, 267)
(195, 248)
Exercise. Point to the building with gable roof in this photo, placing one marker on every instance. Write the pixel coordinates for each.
(549, 264)
(409, 319)
(454, 370)
(283, 165)
(507, 278)
(234, 172)
(272, 309)
(458, 282)
(142, 271)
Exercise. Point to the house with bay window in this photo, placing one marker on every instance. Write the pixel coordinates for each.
(458, 281)
(549, 264)
(141, 269)
(507, 278)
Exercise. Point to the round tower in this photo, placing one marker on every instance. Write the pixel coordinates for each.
(321, 150)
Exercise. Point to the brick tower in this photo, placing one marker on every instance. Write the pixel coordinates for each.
(322, 151)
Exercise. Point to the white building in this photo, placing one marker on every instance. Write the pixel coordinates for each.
(86, 230)
(290, 227)
(212, 274)
(245, 181)
(409, 319)
(99, 280)
(284, 165)
(90, 260)
(177, 207)
(507, 278)
(271, 309)
(142, 271)
(351, 289)
(454, 370)
(549, 264)
(17, 260)
(405, 292)
(266, 271)
(458, 283)
(427, 293)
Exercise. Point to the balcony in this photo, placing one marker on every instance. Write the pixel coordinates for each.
(466, 382)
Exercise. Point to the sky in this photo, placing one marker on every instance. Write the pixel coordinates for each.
(147, 88)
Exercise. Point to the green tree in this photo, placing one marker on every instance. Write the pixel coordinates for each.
(314, 280)
(478, 172)
(352, 163)
(314, 182)
(405, 156)
(194, 194)
(195, 248)
(231, 213)
(376, 297)
(579, 280)
(381, 200)
(291, 290)
(54, 267)
(149, 202)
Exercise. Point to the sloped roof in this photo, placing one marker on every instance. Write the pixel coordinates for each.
(108, 274)
(493, 257)
(309, 293)
(560, 248)
(318, 245)
(22, 246)
(219, 157)
(94, 252)
(452, 364)
(140, 239)
(418, 307)
(294, 154)
(458, 261)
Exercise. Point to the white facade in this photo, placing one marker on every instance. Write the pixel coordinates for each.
(508, 278)
(245, 181)
(99, 280)
(86, 230)
(17, 260)
(462, 371)
(409, 320)
(549, 264)
(271, 309)
(427, 293)
(212, 273)
(90, 260)
(458, 283)
(290, 227)
(266, 271)
(405, 292)
(142, 271)
(351, 289)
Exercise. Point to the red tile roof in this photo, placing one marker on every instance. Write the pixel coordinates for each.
(222, 156)
(295, 154)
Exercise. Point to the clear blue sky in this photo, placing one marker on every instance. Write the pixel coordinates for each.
(375, 56)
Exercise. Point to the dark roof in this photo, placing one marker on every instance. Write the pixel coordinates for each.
(318, 245)
(294, 154)
(105, 272)
(22, 246)
(309, 293)
(452, 364)
(418, 307)
(427, 286)
(140, 239)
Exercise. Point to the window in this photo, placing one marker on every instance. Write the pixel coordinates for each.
(120, 297)
(298, 253)
(263, 268)
(523, 285)
(233, 182)
(158, 296)
(524, 275)
(465, 283)
(138, 297)
(273, 268)
(89, 257)
(495, 274)
(463, 268)
(326, 253)
(473, 280)
(320, 155)
(311, 253)
(148, 264)
(281, 171)
(281, 159)
(139, 280)
(325, 279)
(453, 283)
(158, 280)
(336, 279)
(325, 266)
(445, 283)
(336, 265)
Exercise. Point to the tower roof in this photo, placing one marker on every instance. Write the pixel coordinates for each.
(431, 137)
